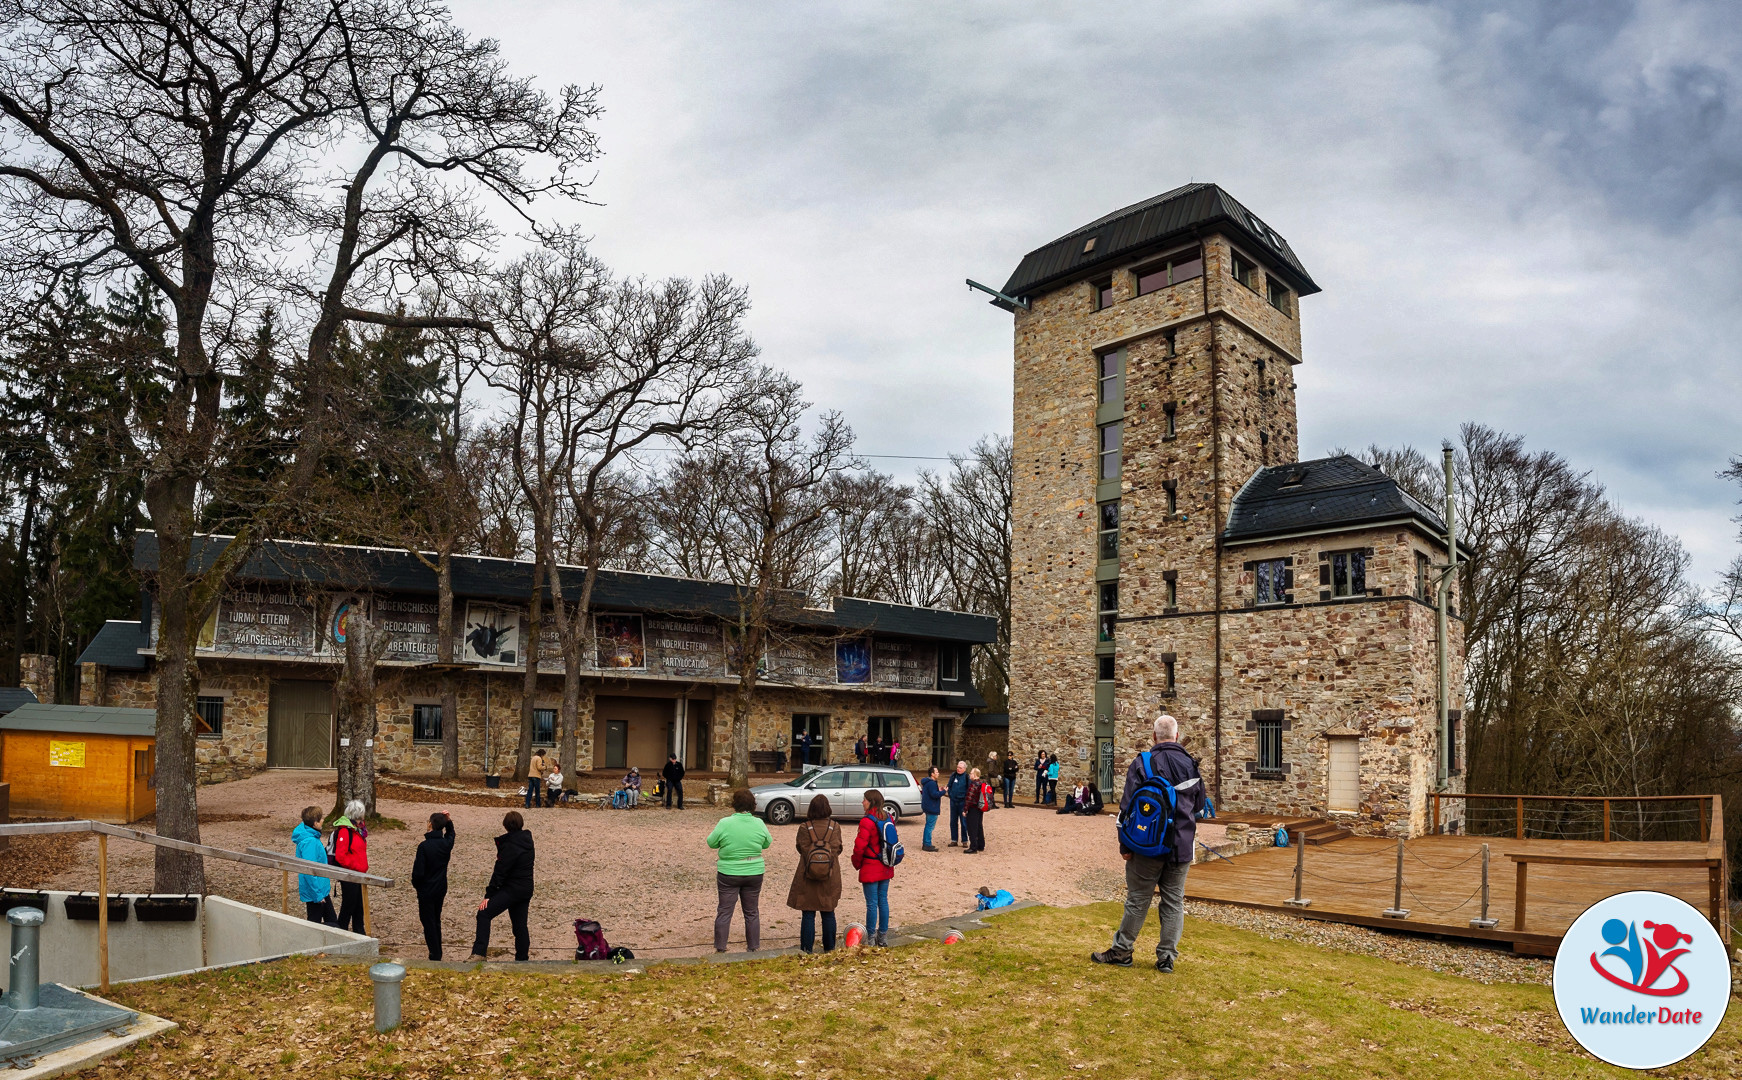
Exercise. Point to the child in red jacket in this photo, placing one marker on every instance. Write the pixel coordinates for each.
(874, 877)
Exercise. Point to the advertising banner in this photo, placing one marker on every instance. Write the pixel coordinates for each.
(684, 647)
(410, 624)
(853, 660)
(622, 645)
(905, 664)
(491, 635)
(273, 622)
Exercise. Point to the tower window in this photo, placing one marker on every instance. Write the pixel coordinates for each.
(1269, 746)
(1109, 531)
(1169, 420)
(1171, 270)
(1453, 719)
(1277, 293)
(1423, 577)
(1167, 674)
(1172, 489)
(1244, 271)
(1110, 450)
(1345, 572)
(1172, 592)
(1112, 386)
(1109, 609)
(1103, 295)
(1104, 668)
(1273, 579)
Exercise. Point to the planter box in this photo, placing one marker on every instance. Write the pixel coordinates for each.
(166, 908)
(492, 781)
(12, 898)
(82, 907)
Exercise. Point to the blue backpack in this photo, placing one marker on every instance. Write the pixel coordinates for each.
(890, 852)
(1146, 827)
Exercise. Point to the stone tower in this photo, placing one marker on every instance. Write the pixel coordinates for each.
(1154, 391)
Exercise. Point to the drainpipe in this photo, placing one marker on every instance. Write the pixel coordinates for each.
(1447, 576)
(1215, 509)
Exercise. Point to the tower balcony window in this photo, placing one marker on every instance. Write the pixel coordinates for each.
(1272, 579)
(1244, 270)
(1111, 377)
(1277, 293)
(1109, 530)
(1171, 270)
(1109, 435)
(1103, 295)
(1109, 618)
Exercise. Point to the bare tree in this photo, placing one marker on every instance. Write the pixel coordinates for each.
(969, 510)
(366, 642)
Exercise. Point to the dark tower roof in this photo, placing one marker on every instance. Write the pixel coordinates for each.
(1339, 492)
(1152, 225)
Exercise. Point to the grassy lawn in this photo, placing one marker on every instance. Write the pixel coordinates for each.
(1020, 1000)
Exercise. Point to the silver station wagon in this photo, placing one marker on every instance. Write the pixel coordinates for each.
(845, 785)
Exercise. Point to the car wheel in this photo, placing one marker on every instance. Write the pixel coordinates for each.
(780, 812)
(893, 810)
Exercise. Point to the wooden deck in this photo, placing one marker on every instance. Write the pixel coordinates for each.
(1352, 881)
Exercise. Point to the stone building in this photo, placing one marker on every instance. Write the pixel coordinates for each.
(1171, 553)
(270, 655)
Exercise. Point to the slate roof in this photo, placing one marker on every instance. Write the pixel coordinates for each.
(81, 720)
(11, 697)
(510, 580)
(117, 646)
(1309, 496)
(1149, 227)
(988, 720)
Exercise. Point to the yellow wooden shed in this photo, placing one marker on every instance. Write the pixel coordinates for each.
(80, 761)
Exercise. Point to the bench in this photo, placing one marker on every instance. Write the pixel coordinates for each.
(765, 760)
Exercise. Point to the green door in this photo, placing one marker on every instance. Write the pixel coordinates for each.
(616, 744)
(299, 725)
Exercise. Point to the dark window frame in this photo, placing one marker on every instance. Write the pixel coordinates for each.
(1271, 581)
(1340, 572)
(1269, 761)
(949, 665)
(1107, 537)
(1116, 428)
(1105, 670)
(420, 733)
(539, 726)
(1172, 268)
(202, 720)
(1273, 287)
(1103, 293)
(1107, 617)
(1170, 420)
(1242, 269)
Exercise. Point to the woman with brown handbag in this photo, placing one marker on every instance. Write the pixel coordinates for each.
(816, 884)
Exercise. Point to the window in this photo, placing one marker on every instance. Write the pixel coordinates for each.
(828, 782)
(949, 664)
(1112, 386)
(1103, 295)
(1276, 292)
(426, 723)
(1244, 271)
(1273, 580)
(1109, 609)
(1110, 451)
(1109, 530)
(544, 727)
(892, 779)
(1105, 668)
(1423, 575)
(145, 767)
(1345, 572)
(1167, 663)
(1172, 489)
(1169, 420)
(209, 717)
(1173, 269)
(1269, 746)
(1172, 592)
(1454, 719)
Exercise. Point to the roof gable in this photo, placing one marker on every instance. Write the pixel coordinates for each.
(1153, 224)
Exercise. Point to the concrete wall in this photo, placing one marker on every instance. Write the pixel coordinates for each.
(225, 932)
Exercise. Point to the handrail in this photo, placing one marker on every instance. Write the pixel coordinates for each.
(1711, 810)
(1714, 865)
(253, 857)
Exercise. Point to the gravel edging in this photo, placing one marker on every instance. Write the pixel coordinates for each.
(1479, 963)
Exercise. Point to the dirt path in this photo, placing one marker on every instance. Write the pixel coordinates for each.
(646, 875)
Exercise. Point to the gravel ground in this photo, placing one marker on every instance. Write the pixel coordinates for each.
(646, 875)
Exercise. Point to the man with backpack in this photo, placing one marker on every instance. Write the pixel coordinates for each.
(1157, 827)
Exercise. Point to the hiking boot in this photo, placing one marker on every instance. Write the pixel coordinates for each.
(881, 941)
(1116, 956)
(1165, 965)
(954, 843)
(928, 847)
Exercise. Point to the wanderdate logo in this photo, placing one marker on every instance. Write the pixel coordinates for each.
(1641, 980)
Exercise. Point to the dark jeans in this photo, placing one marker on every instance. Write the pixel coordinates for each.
(429, 913)
(974, 824)
(533, 784)
(516, 907)
(956, 808)
(733, 891)
(350, 907)
(1039, 787)
(321, 911)
(807, 931)
(674, 788)
(1009, 790)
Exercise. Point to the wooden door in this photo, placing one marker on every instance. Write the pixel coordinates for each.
(1345, 772)
(299, 725)
(616, 744)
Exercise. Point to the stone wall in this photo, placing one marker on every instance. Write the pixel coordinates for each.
(36, 673)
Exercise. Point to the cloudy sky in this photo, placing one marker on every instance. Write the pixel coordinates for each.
(1525, 213)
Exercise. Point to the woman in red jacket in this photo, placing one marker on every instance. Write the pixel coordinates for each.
(874, 877)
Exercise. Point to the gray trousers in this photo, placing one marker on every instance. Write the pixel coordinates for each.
(735, 890)
(1142, 875)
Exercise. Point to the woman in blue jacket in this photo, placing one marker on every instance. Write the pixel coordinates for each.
(931, 804)
(315, 891)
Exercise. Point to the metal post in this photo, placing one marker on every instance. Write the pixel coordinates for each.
(103, 910)
(386, 977)
(26, 969)
(284, 904)
(1448, 575)
(1299, 872)
(1484, 923)
(1397, 910)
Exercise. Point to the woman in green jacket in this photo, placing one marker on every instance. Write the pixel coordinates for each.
(740, 839)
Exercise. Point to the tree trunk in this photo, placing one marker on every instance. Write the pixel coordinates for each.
(365, 641)
(445, 657)
(749, 662)
(529, 687)
(178, 681)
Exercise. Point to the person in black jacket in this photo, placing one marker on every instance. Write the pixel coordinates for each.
(673, 775)
(510, 888)
(429, 876)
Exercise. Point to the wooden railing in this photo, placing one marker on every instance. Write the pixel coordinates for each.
(288, 864)
(1704, 815)
(1710, 826)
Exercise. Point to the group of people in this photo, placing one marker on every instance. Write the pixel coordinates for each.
(544, 781)
(878, 751)
(815, 892)
(1046, 778)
